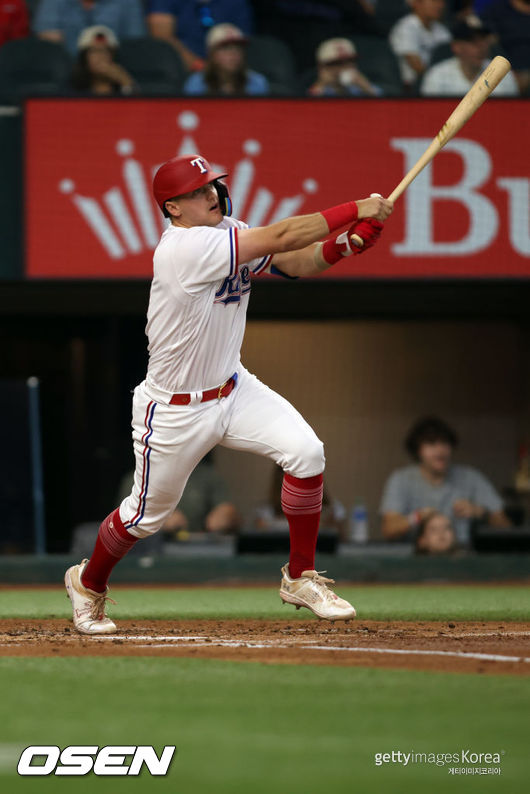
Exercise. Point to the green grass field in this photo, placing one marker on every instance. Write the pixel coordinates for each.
(381, 602)
(257, 728)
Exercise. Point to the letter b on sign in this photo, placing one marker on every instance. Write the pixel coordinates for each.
(422, 197)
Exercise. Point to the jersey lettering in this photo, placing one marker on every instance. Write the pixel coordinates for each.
(234, 287)
(200, 163)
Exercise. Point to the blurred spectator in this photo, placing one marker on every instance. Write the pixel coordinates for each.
(270, 516)
(204, 506)
(435, 535)
(462, 8)
(302, 24)
(436, 485)
(455, 76)
(226, 71)
(510, 20)
(338, 74)
(96, 70)
(185, 23)
(14, 20)
(414, 37)
(63, 21)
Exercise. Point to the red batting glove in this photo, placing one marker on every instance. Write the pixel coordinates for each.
(369, 230)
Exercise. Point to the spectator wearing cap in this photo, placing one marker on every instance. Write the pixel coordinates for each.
(302, 24)
(96, 70)
(434, 484)
(338, 74)
(455, 76)
(226, 72)
(185, 24)
(62, 21)
(414, 37)
(14, 20)
(510, 20)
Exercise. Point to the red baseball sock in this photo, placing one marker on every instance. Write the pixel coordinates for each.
(302, 504)
(113, 543)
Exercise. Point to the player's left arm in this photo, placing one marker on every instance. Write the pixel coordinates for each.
(301, 264)
(317, 257)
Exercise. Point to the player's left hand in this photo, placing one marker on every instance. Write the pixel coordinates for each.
(369, 230)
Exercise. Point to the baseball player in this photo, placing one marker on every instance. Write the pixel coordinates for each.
(197, 393)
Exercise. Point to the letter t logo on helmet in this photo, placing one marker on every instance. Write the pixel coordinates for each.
(182, 175)
(200, 162)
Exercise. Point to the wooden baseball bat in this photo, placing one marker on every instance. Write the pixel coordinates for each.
(477, 94)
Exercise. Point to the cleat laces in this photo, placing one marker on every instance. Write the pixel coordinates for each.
(322, 583)
(95, 608)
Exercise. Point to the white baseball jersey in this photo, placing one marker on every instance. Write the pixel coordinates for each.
(448, 79)
(410, 37)
(197, 307)
(196, 322)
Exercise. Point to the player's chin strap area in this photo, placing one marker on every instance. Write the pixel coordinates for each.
(225, 202)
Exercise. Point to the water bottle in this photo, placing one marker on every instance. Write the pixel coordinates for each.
(359, 523)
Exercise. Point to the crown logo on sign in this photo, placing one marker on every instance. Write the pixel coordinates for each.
(126, 220)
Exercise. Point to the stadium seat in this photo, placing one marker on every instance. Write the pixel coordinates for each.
(378, 63)
(441, 53)
(31, 67)
(306, 80)
(275, 89)
(32, 7)
(272, 58)
(154, 64)
(387, 13)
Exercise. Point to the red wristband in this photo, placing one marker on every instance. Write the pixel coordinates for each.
(331, 252)
(341, 215)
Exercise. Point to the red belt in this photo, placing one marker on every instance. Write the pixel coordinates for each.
(211, 394)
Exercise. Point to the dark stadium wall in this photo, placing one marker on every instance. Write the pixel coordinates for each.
(362, 383)
(11, 265)
(359, 382)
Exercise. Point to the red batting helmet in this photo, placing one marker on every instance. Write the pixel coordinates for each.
(182, 175)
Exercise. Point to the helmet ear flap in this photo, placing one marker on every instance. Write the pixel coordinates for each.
(225, 202)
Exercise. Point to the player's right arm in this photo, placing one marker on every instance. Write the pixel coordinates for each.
(293, 234)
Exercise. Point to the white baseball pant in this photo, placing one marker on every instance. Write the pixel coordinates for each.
(170, 440)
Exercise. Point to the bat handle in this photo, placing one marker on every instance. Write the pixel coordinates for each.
(356, 240)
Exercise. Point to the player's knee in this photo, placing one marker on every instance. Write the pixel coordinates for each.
(153, 519)
(317, 459)
(310, 460)
(142, 532)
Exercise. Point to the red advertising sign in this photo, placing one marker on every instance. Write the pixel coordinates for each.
(89, 167)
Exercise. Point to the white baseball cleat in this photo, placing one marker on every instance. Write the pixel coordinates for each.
(311, 590)
(88, 607)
